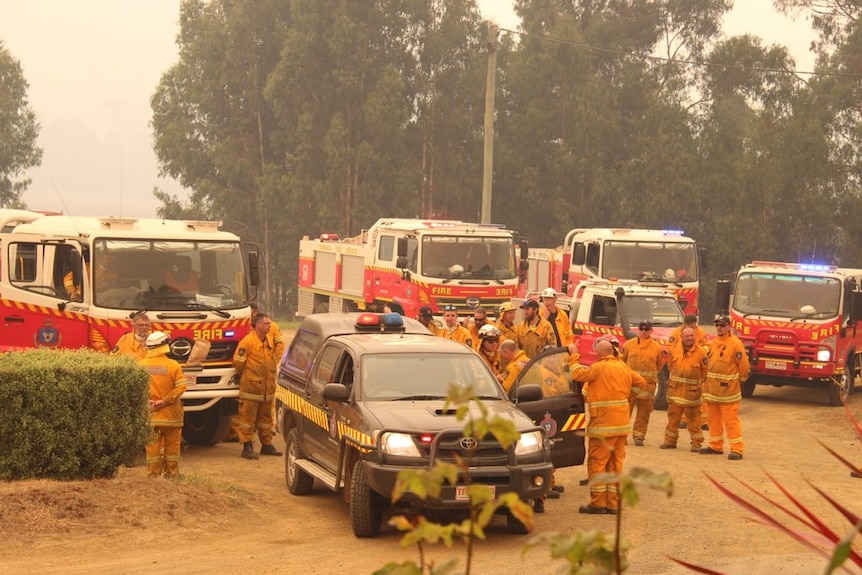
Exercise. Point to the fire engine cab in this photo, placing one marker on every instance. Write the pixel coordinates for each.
(407, 263)
(664, 259)
(72, 282)
(800, 324)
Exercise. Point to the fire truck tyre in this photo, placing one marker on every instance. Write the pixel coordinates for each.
(660, 398)
(207, 427)
(747, 387)
(298, 481)
(838, 393)
(366, 511)
(514, 526)
(322, 308)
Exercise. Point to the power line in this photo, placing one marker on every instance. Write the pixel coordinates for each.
(687, 62)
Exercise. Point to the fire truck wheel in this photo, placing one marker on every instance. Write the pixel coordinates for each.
(838, 391)
(660, 397)
(207, 427)
(747, 388)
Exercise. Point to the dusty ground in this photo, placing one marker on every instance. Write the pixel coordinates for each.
(229, 515)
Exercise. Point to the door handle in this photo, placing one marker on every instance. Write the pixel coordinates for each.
(14, 319)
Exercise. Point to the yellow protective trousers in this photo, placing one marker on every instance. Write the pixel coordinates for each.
(163, 451)
(675, 413)
(724, 417)
(605, 455)
(255, 415)
(644, 407)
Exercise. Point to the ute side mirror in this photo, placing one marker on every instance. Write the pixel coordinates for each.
(336, 392)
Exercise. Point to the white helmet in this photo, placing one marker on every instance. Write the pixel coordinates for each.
(669, 274)
(156, 339)
(488, 330)
(548, 292)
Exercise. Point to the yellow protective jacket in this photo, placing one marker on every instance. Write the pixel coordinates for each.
(492, 359)
(607, 386)
(564, 328)
(167, 383)
(460, 334)
(506, 331)
(728, 366)
(688, 370)
(128, 345)
(513, 368)
(645, 357)
(675, 337)
(255, 362)
(277, 342)
(533, 339)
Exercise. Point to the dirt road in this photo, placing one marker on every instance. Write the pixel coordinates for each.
(230, 515)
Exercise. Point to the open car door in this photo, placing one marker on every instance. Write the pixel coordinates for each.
(560, 411)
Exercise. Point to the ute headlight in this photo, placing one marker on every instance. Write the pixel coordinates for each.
(399, 444)
(823, 355)
(530, 442)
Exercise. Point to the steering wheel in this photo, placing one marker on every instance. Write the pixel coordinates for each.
(225, 290)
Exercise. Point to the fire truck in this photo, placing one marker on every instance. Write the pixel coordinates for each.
(800, 324)
(613, 309)
(408, 263)
(72, 282)
(665, 259)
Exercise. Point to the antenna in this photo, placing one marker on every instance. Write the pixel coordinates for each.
(65, 208)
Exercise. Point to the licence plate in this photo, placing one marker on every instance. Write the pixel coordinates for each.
(461, 492)
(776, 365)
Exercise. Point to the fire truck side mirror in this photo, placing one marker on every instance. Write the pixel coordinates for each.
(855, 307)
(524, 249)
(402, 252)
(579, 254)
(701, 258)
(253, 269)
(722, 296)
(401, 262)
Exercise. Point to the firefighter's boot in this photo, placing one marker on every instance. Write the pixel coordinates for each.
(269, 450)
(248, 451)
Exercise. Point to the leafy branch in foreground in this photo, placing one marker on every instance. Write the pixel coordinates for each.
(814, 533)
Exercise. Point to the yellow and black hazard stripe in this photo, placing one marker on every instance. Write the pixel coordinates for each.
(318, 417)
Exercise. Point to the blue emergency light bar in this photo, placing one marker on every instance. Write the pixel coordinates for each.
(379, 322)
(815, 267)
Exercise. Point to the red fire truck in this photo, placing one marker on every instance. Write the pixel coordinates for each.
(660, 258)
(72, 282)
(800, 324)
(409, 263)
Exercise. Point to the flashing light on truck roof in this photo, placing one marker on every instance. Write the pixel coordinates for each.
(796, 266)
(379, 322)
(672, 232)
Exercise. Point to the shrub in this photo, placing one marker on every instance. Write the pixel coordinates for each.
(69, 414)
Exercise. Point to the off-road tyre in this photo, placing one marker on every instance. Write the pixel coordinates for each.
(298, 481)
(366, 514)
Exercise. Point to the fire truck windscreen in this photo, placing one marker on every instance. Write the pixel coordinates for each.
(659, 311)
(788, 295)
(648, 261)
(470, 257)
(168, 275)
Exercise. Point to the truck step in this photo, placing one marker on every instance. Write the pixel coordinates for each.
(318, 472)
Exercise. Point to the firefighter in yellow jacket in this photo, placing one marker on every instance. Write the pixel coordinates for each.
(607, 386)
(452, 329)
(557, 317)
(533, 333)
(645, 356)
(700, 340)
(515, 359)
(255, 362)
(134, 343)
(687, 365)
(489, 344)
(167, 385)
(728, 367)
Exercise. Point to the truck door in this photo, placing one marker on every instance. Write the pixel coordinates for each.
(561, 410)
(386, 277)
(44, 294)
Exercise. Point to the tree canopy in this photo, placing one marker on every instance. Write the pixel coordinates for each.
(291, 118)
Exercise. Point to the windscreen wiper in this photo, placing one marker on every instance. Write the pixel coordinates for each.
(215, 310)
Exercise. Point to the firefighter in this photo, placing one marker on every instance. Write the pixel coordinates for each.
(687, 364)
(480, 318)
(489, 341)
(256, 363)
(453, 329)
(426, 317)
(534, 333)
(167, 385)
(515, 359)
(644, 355)
(728, 367)
(608, 383)
(700, 340)
(134, 343)
(557, 317)
(506, 320)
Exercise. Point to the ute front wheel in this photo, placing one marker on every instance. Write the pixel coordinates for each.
(366, 512)
(298, 481)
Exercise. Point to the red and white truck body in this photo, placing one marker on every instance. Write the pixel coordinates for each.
(188, 276)
(665, 259)
(408, 263)
(801, 324)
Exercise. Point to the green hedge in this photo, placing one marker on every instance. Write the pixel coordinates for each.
(70, 414)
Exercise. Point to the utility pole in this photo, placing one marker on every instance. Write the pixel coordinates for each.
(490, 88)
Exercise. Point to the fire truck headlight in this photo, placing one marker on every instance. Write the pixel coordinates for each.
(823, 354)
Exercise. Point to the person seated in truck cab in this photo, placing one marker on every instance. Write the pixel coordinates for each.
(179, 276)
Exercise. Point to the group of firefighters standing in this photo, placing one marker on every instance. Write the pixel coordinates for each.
(704, 381)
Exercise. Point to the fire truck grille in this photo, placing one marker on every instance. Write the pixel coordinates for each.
(490, 304)
(221, 351)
